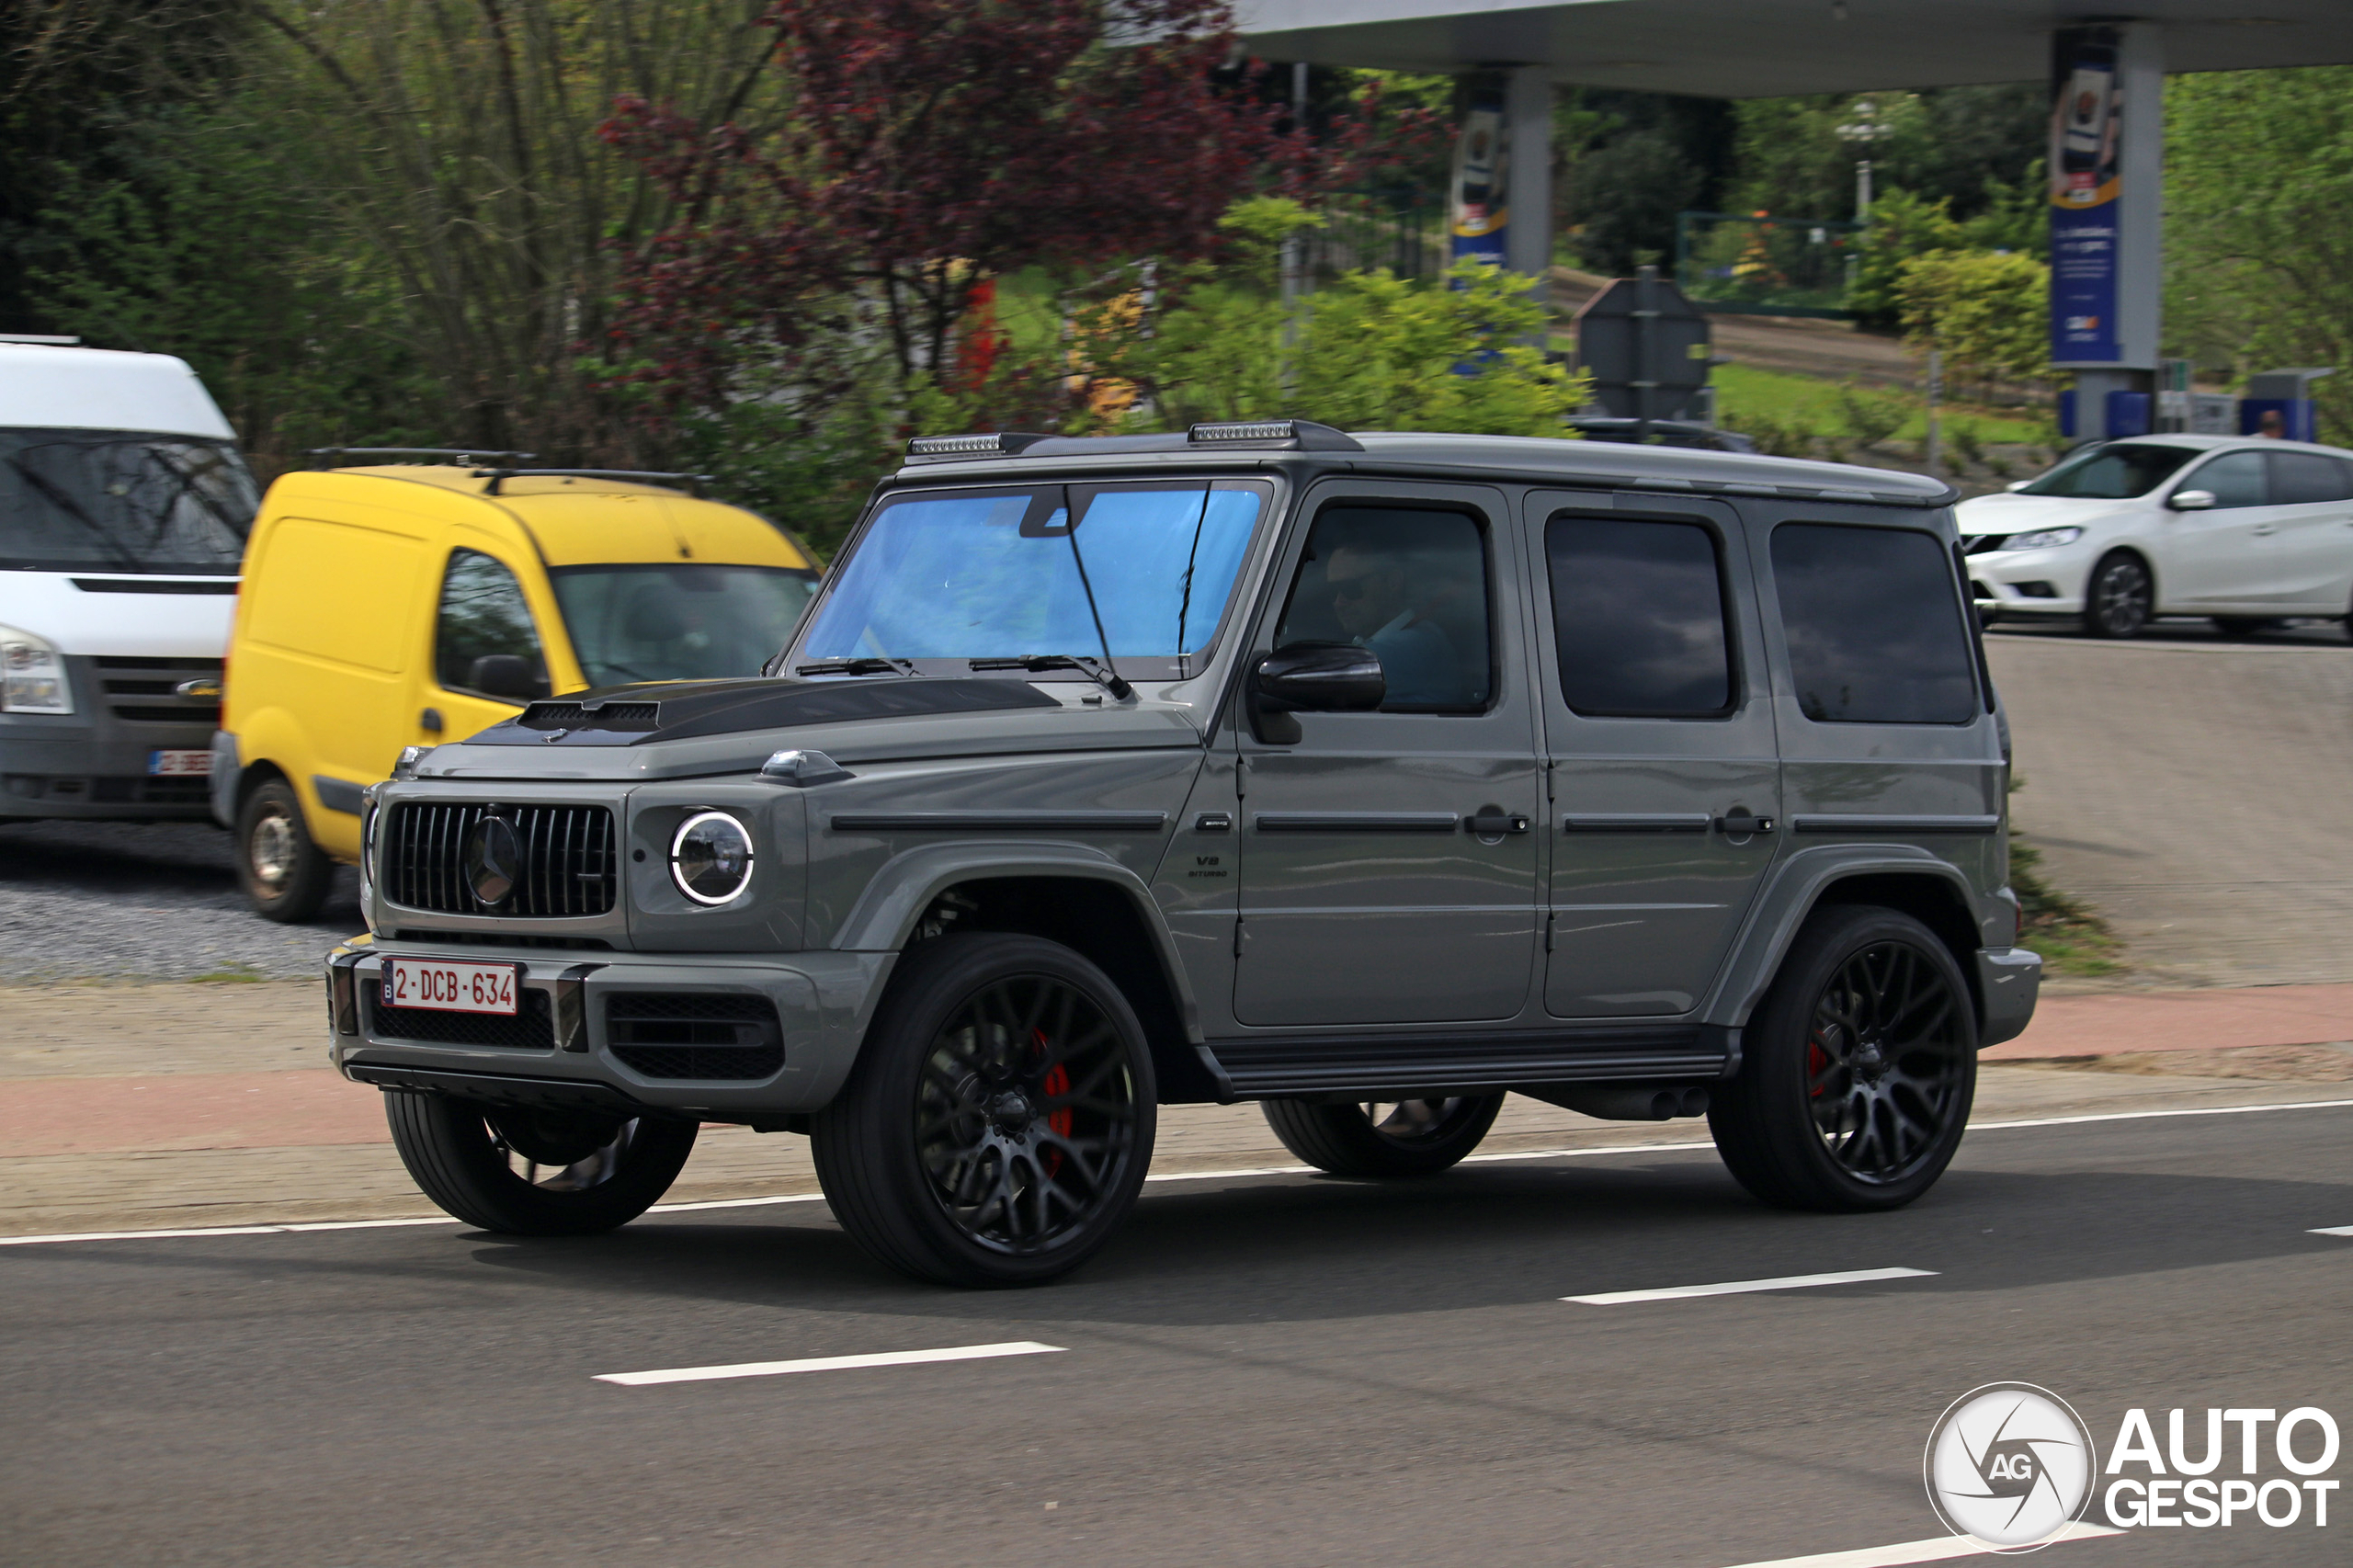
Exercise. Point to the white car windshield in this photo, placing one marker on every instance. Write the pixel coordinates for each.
(2117, 471)
(1008, 573)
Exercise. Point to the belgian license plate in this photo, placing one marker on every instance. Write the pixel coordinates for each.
(179, 764)
(450, 985)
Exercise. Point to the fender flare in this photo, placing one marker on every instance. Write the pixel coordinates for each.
(883, 919)
(1795, 888)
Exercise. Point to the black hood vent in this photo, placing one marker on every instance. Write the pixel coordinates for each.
(631, 715)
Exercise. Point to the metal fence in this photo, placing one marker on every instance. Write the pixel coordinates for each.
(1403, 231)
(1783, 266)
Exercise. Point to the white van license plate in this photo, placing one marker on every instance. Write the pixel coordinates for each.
(179, 764)
(450, 985)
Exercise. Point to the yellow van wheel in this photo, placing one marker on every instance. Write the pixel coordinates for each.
(286, 876)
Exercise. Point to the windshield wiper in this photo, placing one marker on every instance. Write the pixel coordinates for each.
(1086, 664)
(857, 667)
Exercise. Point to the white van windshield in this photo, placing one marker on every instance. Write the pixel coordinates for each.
(122, 501)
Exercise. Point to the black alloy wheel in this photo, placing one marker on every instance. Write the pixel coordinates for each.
(1857, 1071)
(536, 1172)
(2121, 598)
(285, 875)
(999, 1122)
(1384, 1139)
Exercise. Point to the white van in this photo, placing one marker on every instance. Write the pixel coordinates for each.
(124, 506)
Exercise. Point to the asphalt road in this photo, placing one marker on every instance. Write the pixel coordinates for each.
(1262, 1370)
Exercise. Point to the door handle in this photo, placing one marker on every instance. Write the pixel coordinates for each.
(2261, 530)
(1742, 823)
(1495, 824)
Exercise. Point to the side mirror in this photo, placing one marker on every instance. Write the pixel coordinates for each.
(2191, 500)
(1317, 677)
(508, 676)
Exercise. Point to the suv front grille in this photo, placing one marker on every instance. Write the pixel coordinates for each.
(570, 864)
(530, 1028)
(146, 691)
(693, 1034)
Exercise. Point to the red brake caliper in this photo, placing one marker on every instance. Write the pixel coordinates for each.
(1054, 1086)
(1816, 1060)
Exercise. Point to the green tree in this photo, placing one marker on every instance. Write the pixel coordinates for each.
(1984, 310)
(2259, 256)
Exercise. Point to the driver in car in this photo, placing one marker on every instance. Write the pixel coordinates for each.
(1369, 596)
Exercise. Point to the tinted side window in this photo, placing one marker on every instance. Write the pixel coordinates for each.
(1638, 613)
(2301, 478)
(483, 615)
(1874, 627)
(1411, 587)
(2235, 478)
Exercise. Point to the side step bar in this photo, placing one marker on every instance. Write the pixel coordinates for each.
(1322, 1065)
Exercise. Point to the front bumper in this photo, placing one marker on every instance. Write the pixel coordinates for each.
(2010, 980)
(822, 1002)
(91, 764)
(2028, 583)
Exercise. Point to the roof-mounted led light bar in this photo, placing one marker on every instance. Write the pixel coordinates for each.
(1292, 435)
(997, 443)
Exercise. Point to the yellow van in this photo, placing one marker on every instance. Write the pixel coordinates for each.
(410, 604)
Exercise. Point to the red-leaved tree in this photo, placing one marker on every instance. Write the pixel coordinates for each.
(933, 144)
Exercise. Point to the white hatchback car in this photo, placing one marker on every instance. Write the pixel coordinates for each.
(2248, 532)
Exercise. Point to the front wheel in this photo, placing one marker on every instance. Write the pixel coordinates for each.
(286, 876)
(2120, 598)
(535, 1172)
(1384, 1139)
(999, 1122)
(1858, 1070)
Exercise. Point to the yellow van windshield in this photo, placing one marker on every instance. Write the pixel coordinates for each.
(680, 623)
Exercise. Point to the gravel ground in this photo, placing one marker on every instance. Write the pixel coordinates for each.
(154, 901)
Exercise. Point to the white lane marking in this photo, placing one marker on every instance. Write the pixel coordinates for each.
(2335, 1231)
(1172, 1175)
(1937, 1549)
(831, 1363)
(1744, 1287)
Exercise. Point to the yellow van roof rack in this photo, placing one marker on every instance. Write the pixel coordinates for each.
(335, 457)
(691, 483)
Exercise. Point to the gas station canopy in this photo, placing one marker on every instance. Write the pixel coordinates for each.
(1745, 49)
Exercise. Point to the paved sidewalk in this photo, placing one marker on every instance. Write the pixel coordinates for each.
(147, 1106)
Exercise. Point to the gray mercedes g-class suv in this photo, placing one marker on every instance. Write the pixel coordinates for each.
(1369, 777)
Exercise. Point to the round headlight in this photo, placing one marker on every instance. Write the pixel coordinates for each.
(711, 857)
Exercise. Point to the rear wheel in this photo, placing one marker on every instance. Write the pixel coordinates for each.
(999, 1122)
(2120, 597)
(535, 1172)
(1387, 1138)
(286, 877)
(1858, 1070)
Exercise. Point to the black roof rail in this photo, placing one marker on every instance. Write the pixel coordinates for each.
(333, 457)
(691, 483)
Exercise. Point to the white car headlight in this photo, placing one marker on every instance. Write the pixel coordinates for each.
(2044, 539)
(32, 675)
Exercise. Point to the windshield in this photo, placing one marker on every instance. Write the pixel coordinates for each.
(2114, 472)
(117, 501)
(997, 573)
(681, 622)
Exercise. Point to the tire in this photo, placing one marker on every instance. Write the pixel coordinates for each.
(535, 1172)
(997, 1125)
(285, 875)
(2244, 625)
(1819, 1119)
(2119, 598)
(1383, 1140)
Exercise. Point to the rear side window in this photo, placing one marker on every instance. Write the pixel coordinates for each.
(1637, 615)
(1874, 626)
(2300, 478)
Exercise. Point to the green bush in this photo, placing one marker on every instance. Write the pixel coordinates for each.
(1984, 310)
(1870, 417)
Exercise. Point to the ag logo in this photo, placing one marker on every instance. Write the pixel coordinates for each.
(2009, 1465)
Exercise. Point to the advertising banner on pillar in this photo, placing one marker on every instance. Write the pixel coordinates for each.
(2086, 119)
(1478, 209)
